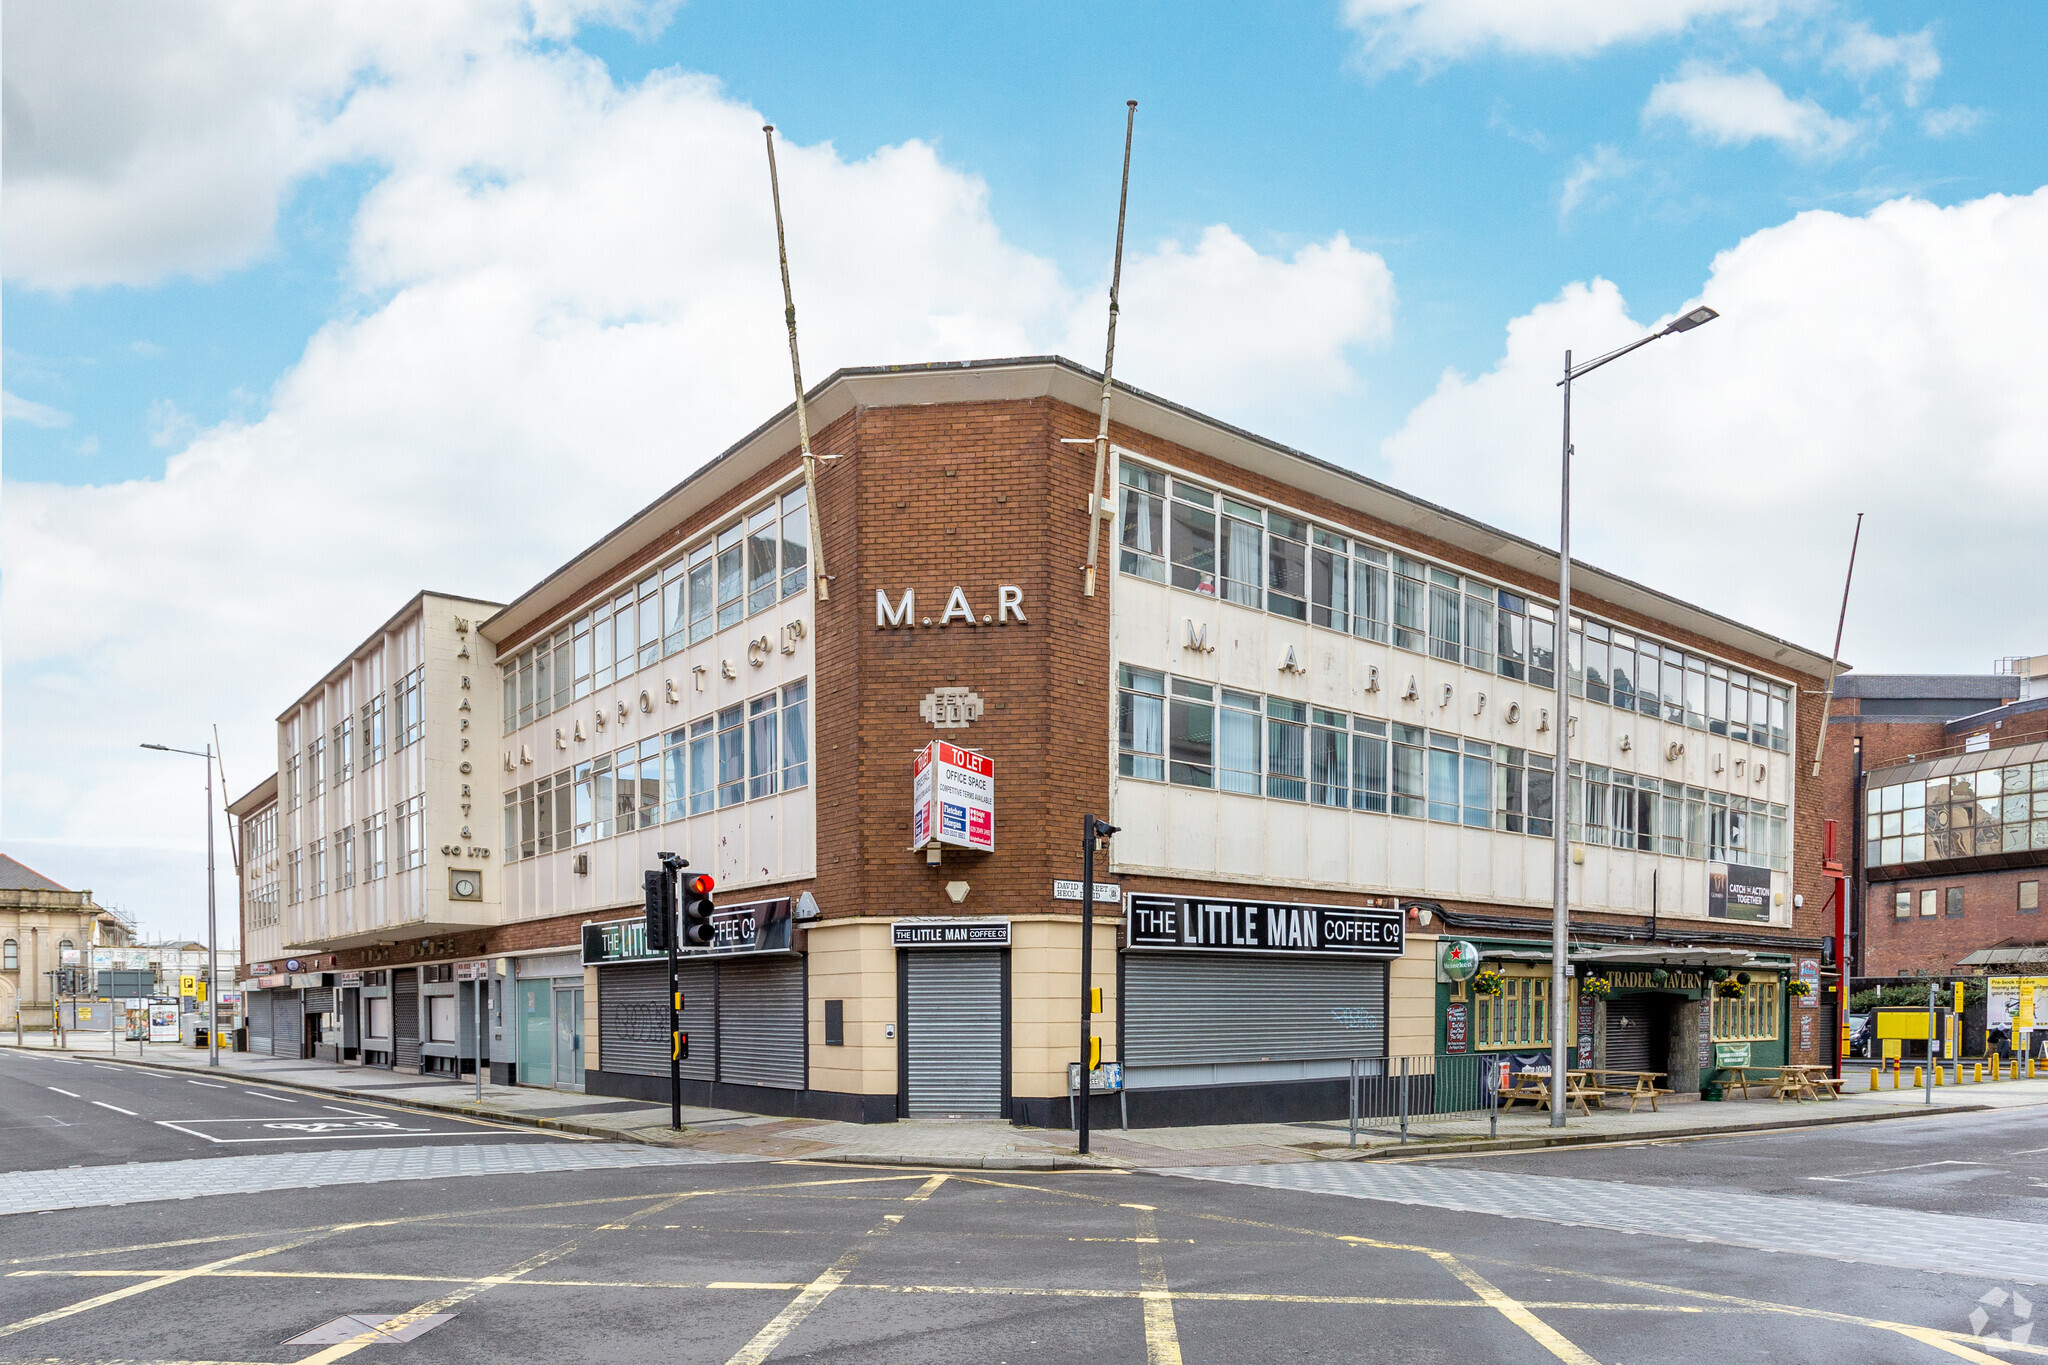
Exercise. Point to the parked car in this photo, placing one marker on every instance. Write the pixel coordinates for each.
(1862, 1035)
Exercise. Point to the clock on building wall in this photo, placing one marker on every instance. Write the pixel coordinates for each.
(465, 886)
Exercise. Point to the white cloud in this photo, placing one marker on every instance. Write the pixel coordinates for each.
(1957, 118)
(168, 424)
(1864, 54)
(1394, 33)
(569, 299)
(14, 408)
(1602, 163)
(1886, 364)
(1737, 108)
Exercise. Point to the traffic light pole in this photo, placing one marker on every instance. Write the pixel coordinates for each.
(1092, 829)
(675, 1014)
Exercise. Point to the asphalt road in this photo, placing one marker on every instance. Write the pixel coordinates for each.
(1990, 1165)
(56, 1112)
(748, 1261)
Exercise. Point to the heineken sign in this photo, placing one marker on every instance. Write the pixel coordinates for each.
(1240, 926)
(758, 927)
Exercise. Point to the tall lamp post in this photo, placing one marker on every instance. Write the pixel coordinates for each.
(1560, 933)
(212, 927)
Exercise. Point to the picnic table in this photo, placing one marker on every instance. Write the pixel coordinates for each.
(1535, 1088)
(1637, 1086)
(1806, 1081)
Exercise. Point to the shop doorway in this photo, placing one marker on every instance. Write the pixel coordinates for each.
(1639, 1032)
(568, 1009)
(536, 1033)
(955, 1029)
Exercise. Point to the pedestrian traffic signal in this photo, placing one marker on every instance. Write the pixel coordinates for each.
(660, 907)
(697, 908)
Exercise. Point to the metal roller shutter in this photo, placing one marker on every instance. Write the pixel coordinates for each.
(954, 1042)
(1830, 1030)
(405, 1019)
(287, 1026)
(632, 1018)
(1629, 1020)
(761, 1023)
(320, 1001)
(258, 1011)
(1195, 1010)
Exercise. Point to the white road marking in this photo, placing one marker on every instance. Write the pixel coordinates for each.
(115, 1107)
(210, 1085)
(352, 1113)
(72, 1093)
(265, 1095)
(1888, 1170)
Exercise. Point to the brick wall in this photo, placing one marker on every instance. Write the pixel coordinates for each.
(1991, 917)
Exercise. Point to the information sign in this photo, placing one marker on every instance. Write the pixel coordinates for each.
(1456, 1017)
(1105, 892)
(942, 932)
(1738, 891)
(1731, 1054)
(163, 1023)
(1232, 926)
(953, 795)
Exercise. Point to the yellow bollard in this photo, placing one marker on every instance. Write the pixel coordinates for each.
(1873, 1078)
(1977, 1073)
(1917, 1079)
(1898, 1069)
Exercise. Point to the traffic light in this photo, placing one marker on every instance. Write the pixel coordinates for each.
(660, 907)
(697, 908)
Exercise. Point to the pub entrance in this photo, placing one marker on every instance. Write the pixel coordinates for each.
(1639, 1031)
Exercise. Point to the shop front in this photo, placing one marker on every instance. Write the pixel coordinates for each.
(1245, 1010)
(744, 1008)
(953, 1020)
(547, 1024)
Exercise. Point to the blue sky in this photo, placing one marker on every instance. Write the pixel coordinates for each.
(310, 306)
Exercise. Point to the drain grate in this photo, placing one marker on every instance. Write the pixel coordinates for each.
(355, 1324)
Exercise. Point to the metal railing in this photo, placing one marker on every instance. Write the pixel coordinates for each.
(1431, 1090)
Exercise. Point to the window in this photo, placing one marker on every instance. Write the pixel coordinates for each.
(316, 865)
(1286, 749)
(1930, 903)
(1623, 795)
(1329, 758)
(1286, 566)
(1407, 796)
(1242, 546)
(1329, 581)
(582, 817)
(316, 767)
(1444, 617)
(525, 690)
(602, 648)
(732, 574)
(1575, 656)
(374, 850)
(1192, 533)
(639, 771)
(1648, 653)
(1140, 739)
(2030, 897)
(796, 736)
(1717, 700)
(1238, 760)
(1411, 605)
(1144, 523)
(1621, 668)
(543, 680)
(1542, 646)
(581, 662)
(565, 669)
(344, 749)
(1902, 905)
(1369, 764)
(1738, 705)
(1511, 635)
(1511, 786)
(1443, 778)
(1955, 902)
(1191, 734)
(10, 956)
(372, 728)
(1781, 708)
(1752, 1016)
(1479, 639)
(344, 858)
(412, 833)
(675, 607)
(1369, 593)
(408, 708)
(764, 585)
(1598, 661)
(295, 876)
(703, 601)
(1542, 795)
(732, 756)
(762, 766)
(289, 786)
(1695, 692)
(1519, 1017)
(796, 541)
(703, 765)
(650, 621)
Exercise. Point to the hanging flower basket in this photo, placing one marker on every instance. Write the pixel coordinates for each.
(1798, 989)
(1486, 982)
(1659, 977)
(1720, 974)
(1743, 977)
(1596, 987)
(1730, 989)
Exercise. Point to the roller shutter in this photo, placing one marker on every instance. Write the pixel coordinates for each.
(1630, 1021)
(320, 1000)
(632, 1018)
(258, 1013)
(954, 1040)
(761, 1022)
(405, 1019)
(1184, 1009)
(1830, 1029)
(287, 1025)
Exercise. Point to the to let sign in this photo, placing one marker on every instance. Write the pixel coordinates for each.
(953, 798)
(1231, 926)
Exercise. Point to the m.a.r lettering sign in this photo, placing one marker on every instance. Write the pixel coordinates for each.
(1233, 926)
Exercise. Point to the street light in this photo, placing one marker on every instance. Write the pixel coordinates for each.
(212, 928)
(1560, 934)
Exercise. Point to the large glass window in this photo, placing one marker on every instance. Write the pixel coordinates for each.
(762, 763)
(1191, 734)
(1542, 646)
(732, 756)
(1329, 755)
(1144, 523)
(1369, 764)
(604, 796)
(763, 584)
(1519, 1017)
(1674, 686)
(1242, 547)
(1511, 637)
(703, 765)
(1238, 749)
(601, 648)
(675, 607)
(1476, 788)
(1140, 724)
(702, 592)
(1717, 700)
(1286, 566)
(1542, 795)
(796, 736)
(565, 670)
(1443, 778)
(1695, 692)
(1407, 797)
(1193, 532)
(796, 541)
(675, 774)
(509, 702)
(1286, 749)
(585, 817)
(1411, 605)
(1478, 626)
(1329, 584)
(579, 654)
(1597, 662)
(1647, 652)
(625, 790)
(650, 620)
(1511, 785)
(732, 575)
(1445, 617)
(1621, 670)
(1738, 705)
(1369, 593)
(625, 645)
